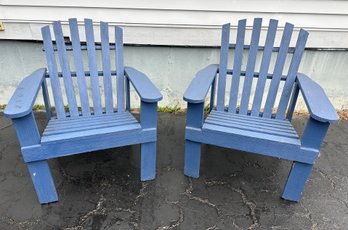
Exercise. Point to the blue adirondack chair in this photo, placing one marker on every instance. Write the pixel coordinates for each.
(81, 128)
(250, 125)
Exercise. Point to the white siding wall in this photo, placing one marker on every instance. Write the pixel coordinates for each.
(179, 22)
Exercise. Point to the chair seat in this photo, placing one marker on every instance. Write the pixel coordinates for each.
(280, 131)
(67, 129)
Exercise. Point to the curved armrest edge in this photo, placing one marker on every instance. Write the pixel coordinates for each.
(23, 98)
(319, 105)
(199, 86)
(142, 84)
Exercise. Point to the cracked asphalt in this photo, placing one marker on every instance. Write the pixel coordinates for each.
(236, 190)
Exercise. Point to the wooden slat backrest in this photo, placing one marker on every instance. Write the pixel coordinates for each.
(119, 68)
(278, 70)
(266, 60)
(225, 39)
(237, 65)
(64, 64)
(251, 102)
(81, 79)
(84, 76)
(250, 68)
(104, 34)
(92, 61)
(291, 76)
(52, 69)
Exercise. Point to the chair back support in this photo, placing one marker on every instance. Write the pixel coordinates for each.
(249, 77)
(67, 53)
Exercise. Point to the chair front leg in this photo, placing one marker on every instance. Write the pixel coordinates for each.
(148, 119)
(312, 138)
(195, 116)
(40, 173)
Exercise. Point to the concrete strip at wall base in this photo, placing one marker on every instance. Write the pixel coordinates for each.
(172, 69)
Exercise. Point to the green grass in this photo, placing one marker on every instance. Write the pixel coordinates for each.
(169, 109)
(35, 107)
(38, 107)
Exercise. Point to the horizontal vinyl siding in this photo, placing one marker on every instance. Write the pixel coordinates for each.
(187, 23)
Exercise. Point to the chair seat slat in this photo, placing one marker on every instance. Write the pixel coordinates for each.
(254, 128)
(90, 132)
(251, 119)
(85, 128)
(90, 123)
(80, 128)
(82, 119)
(252, 134)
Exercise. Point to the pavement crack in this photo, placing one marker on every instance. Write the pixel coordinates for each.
(235, 225)
(128, 210)
(251, 205)
(308, 215)
(21, 224)
(176, 223)
(67, 176)
(333, 186)
(215, 182)
(188, 193)
(326, 176)
(98, 210)
(6, 126)
(4, 147)
(211, 228)
(279, 227)
(189, 188)
(142, 193)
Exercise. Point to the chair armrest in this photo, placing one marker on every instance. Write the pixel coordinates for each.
(199, 86)
(319, 106)
(24, 97)
(144, 87)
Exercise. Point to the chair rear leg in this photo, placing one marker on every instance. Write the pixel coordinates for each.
(43, 182)
(296, 181)
(148, 161)
(192, 158)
